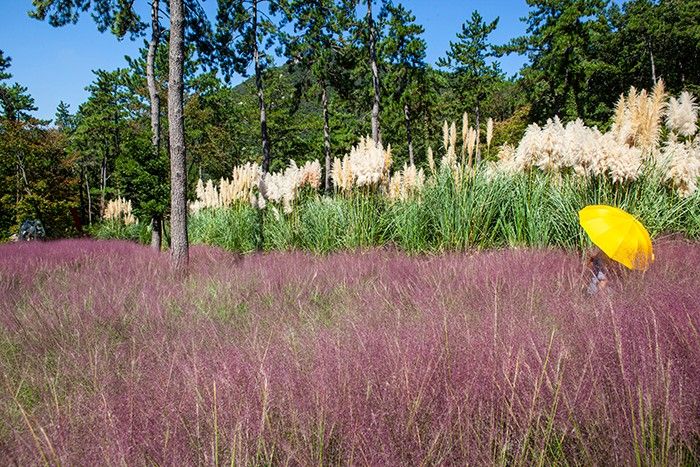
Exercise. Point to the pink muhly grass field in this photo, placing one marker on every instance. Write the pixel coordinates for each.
(373, 358)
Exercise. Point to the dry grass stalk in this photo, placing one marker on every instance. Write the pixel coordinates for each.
(431, 160)
(450, 157)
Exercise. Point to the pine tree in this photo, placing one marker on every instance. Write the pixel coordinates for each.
(404, 50)
(561, 45)
(473, 77)
(4, 65)
(372, 45)
(154, 100)
(64, 120)
(121, 19)
(15, 102)
(242, 27)
(179, 245)
(314, 46)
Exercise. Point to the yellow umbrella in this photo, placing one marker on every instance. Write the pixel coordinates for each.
(619, 234)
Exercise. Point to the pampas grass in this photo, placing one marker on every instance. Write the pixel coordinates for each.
(682, 115)
(119, 210)
(283, 187)
(681, 164)
(638, 117)
(367, 165)
(406, 184)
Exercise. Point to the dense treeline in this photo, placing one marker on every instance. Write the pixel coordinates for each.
(340, 70)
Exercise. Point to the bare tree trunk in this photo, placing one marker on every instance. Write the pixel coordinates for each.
(653, 67)
(261, 95)
(407, 121)
(426, 125)
(151, 77)
(376, 133)
(326, 136)
(18, 182)
(103, 184)
(155, 108)
(89, 199)
(263, 120)
(176, 129)
(82, 196)
(23, 175)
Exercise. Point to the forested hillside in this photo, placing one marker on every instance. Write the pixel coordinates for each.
(316, 62)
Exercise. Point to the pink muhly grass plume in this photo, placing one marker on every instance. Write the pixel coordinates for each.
(354, 358)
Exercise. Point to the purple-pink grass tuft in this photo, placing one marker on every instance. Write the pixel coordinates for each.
(354, 358)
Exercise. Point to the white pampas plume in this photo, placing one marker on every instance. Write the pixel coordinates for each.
(450, 157)
(119, 210)
(310, 174)
(681, 162)
(406, 184)
(638, 118)
(682, 115)
(367, 161)
(471, 145)
(431, 160)
(445, 135)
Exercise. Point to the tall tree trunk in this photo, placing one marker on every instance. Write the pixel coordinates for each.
(89, 199)
(155, 108)
(326, 137)
(261, 95)
(653, 67)
(82, 196)
(103, 184)
(263, 121)
(176, 129)
(117, 136)
(376, 134)
(18, 183)
(409, 140)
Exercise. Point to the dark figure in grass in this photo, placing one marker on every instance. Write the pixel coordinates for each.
(599, 265)
(31, 230)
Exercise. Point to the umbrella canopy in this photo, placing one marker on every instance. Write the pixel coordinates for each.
(619, 234)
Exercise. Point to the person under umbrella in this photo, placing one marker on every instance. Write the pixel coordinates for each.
(619, 237)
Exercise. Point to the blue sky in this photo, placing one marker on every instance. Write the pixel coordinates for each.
(56, 63)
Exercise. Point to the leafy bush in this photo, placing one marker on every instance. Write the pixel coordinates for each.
(116, 230)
